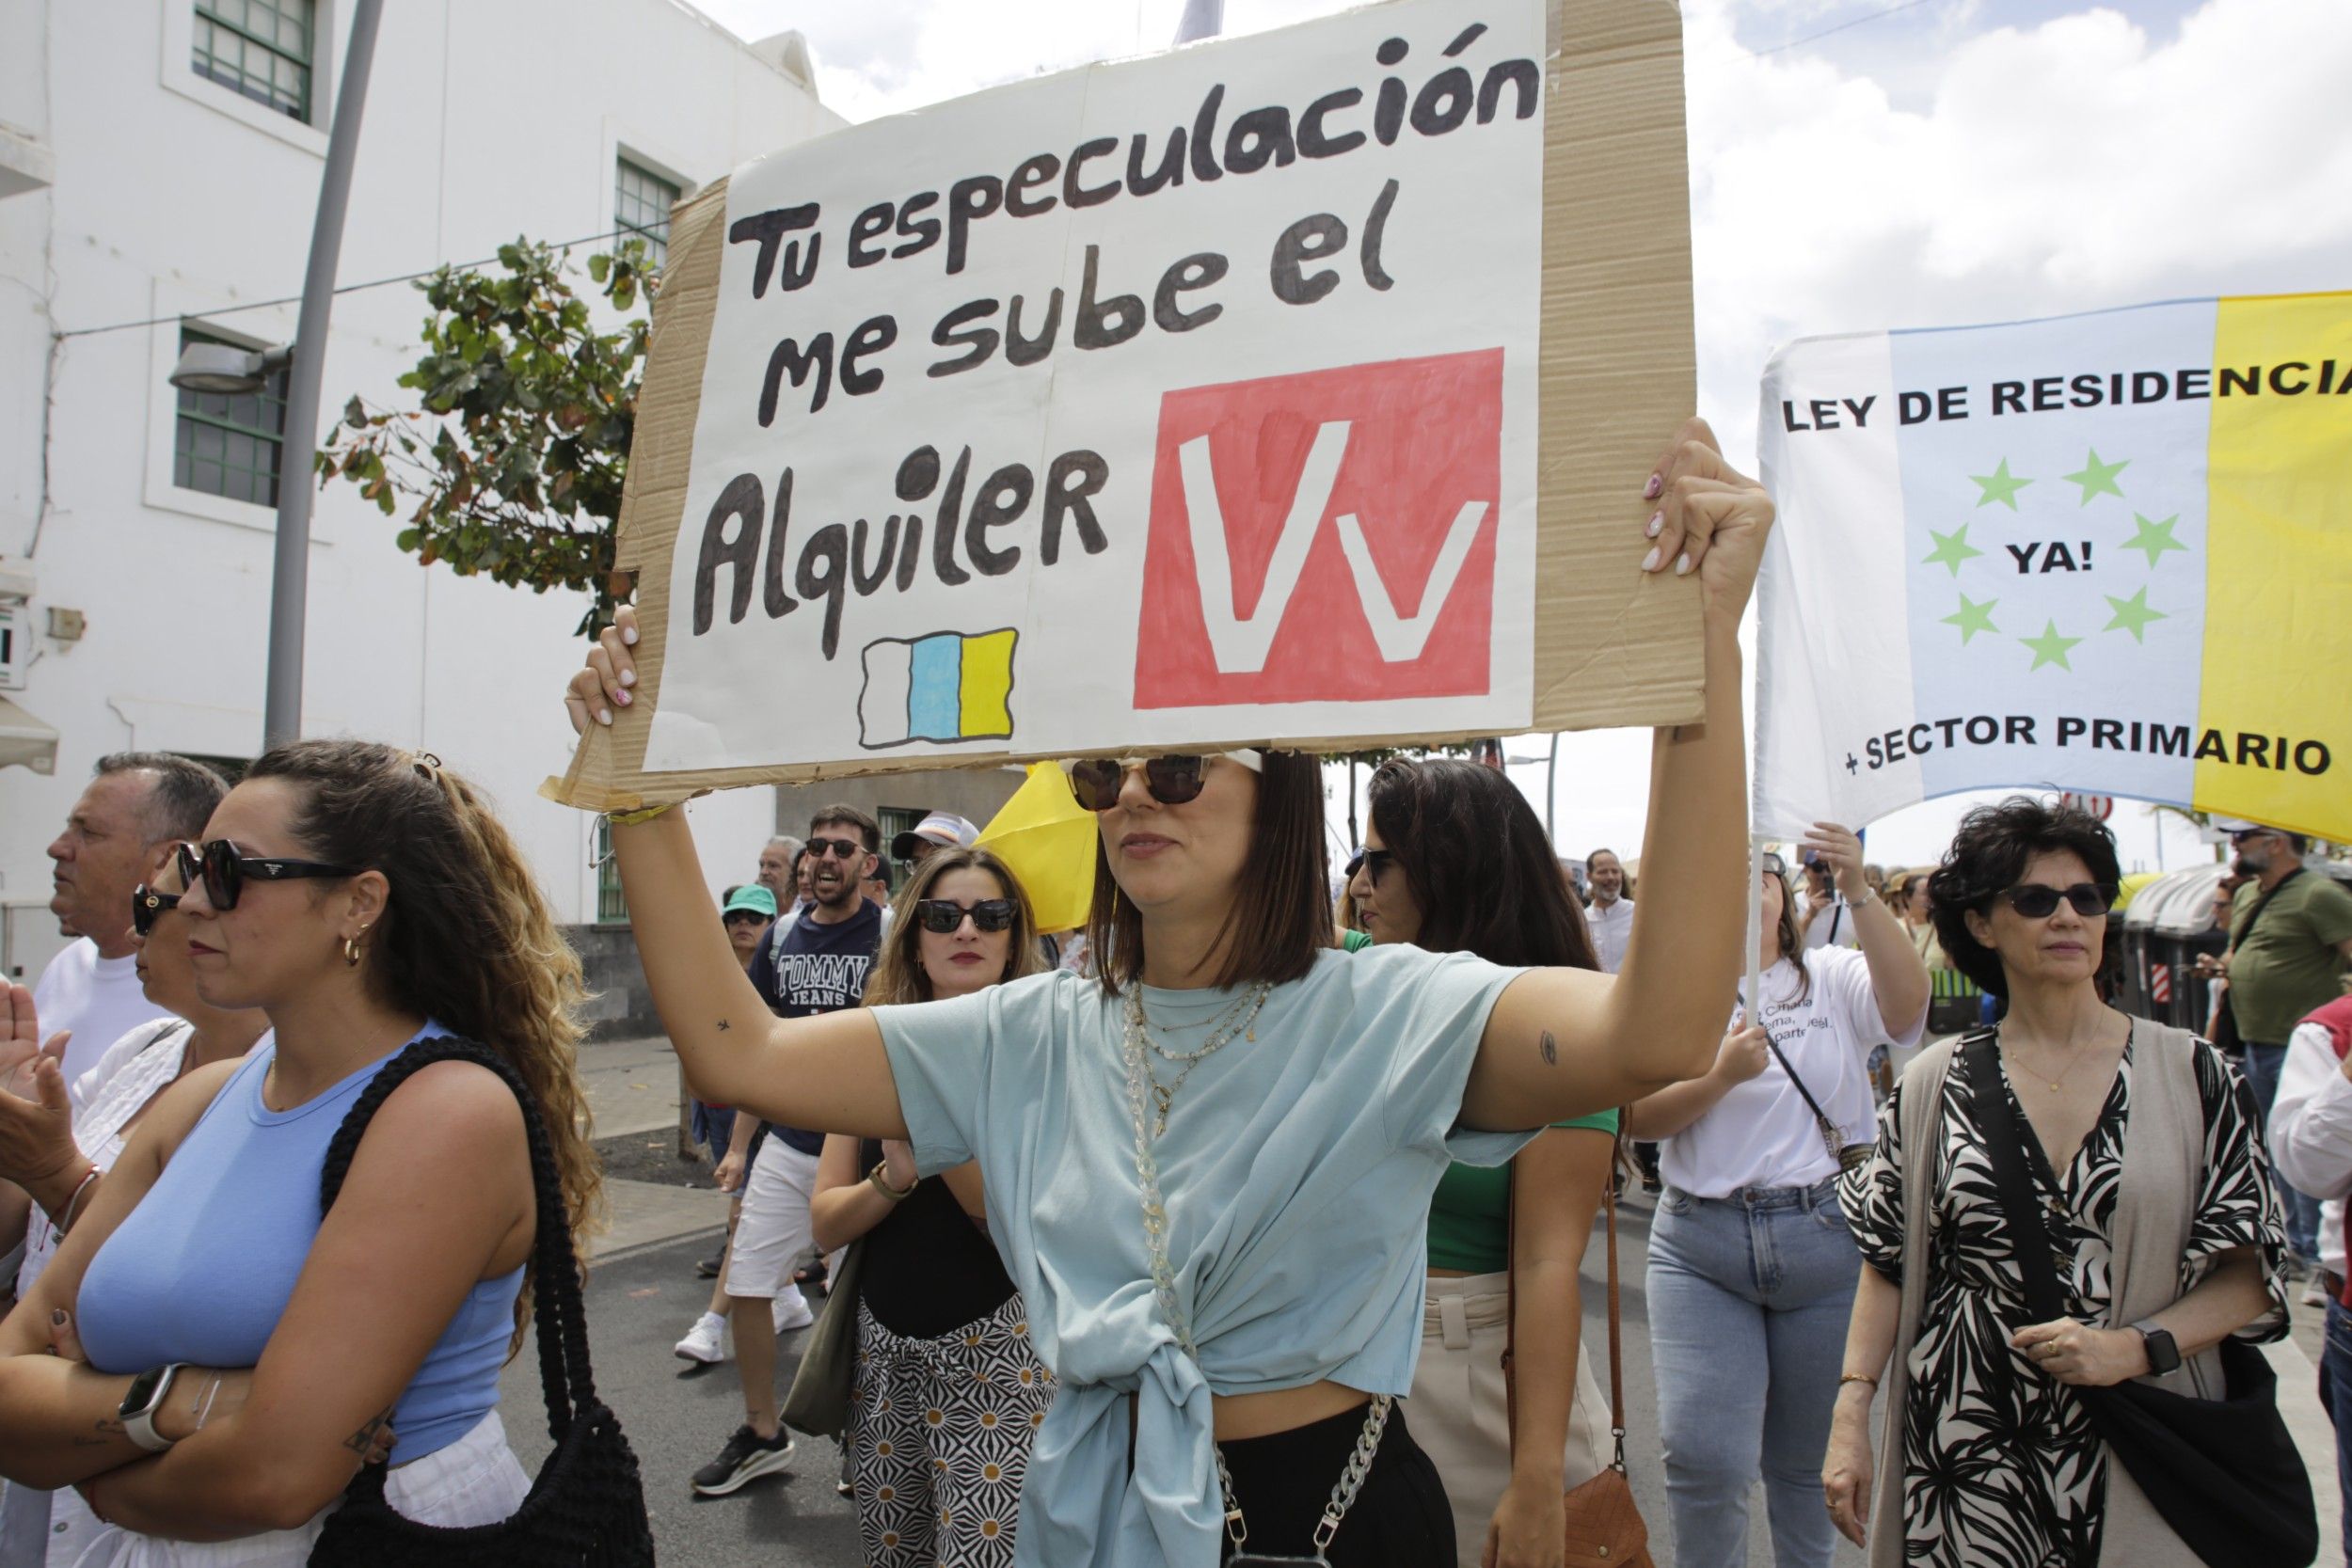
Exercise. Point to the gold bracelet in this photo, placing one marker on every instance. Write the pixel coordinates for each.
(896, 1195)
(1845, 1378)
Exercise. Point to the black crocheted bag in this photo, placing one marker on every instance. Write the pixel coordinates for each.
(586, 1508)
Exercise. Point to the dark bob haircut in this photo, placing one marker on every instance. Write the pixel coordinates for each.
(1479, 865)
(1988, 857)
(1280, 918)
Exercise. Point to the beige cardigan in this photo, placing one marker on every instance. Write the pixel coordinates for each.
(2155, 1205)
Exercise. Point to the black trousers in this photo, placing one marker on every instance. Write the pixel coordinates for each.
(1400, 1519)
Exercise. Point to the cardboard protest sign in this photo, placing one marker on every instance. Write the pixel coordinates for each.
(2109, 553)
(1290, 390)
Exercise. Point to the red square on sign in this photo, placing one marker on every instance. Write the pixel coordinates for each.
(1325, 537)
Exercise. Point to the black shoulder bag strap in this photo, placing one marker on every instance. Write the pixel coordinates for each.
(1832, 1135)
(2222, 1473)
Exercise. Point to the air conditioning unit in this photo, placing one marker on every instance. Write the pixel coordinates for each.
(16, 644)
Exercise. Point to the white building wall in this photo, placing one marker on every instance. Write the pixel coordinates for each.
(485, 119)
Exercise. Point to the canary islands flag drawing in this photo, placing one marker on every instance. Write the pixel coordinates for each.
(945, 686)
(2108, 552)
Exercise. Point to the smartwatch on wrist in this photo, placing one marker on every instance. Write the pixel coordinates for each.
(2163, 1355)
(144, 1396)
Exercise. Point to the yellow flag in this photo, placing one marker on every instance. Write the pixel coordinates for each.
(1048, 839)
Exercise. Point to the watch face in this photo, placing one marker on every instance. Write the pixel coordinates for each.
(142, 1392)
(2163, 1355)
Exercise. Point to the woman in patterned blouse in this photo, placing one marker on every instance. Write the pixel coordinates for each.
(2000, 1463)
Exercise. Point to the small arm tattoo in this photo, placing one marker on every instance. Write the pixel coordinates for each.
(1549, 1047)
(724, 1026)
(362, 1440)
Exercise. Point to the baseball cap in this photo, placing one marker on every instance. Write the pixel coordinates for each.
(944, 827)
(751, 897)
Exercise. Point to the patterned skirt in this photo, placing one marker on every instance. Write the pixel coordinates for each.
(938, 1439)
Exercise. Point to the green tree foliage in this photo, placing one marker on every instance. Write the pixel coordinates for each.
(512, 461)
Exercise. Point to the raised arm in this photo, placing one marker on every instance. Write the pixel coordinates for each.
(1899, 980)
(1564, 1043)
(828, 1073)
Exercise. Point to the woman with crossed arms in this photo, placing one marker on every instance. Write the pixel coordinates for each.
(1163, 1148)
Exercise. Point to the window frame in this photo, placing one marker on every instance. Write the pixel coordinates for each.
(625, 163)
(303, 112)
(183, 416)
(176, 75)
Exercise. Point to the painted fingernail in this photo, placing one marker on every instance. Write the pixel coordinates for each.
(622, 697)
(628, 635)
(1682, 565)
(604, 716)
(1649, 562)
(1649, 491)
(629, 678)
(1656, 521)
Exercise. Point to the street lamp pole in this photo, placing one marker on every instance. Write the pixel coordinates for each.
(290, 576)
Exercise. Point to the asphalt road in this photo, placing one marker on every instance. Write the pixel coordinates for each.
(639, 1304)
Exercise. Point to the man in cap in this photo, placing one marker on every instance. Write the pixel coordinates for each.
(2290, 933)
(940, 829)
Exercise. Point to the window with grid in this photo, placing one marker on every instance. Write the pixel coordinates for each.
(896, 820)
(612, 907)
(641, 205)
(258, 48)
(228, 445)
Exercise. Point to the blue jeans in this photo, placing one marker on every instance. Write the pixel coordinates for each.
(2263, 1063)
(2335, 1397)
(1748, 1302)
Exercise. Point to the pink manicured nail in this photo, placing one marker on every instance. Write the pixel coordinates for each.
(1682, 569)
(1649, 562)
(1649, 491)
(624, 698)
(629, 678)
(604, 716)
(628, 635)
(1656, 521)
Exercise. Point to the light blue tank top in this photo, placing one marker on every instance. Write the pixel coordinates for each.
(203, 1269)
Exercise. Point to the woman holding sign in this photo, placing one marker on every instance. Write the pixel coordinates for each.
(1164, 1148)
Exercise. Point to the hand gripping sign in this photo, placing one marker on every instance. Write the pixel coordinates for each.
(1291, 389)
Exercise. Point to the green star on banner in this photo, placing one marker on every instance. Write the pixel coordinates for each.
(1998, 486)
(1951, 548)
(2154, 537)
(1972, 618)
(2050, 648)
(2097, 477)
(2132, 615)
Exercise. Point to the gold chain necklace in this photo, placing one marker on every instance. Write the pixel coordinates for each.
(2039, 1076)
(1236, 1021)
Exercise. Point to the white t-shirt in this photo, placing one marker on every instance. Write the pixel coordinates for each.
(1762, 1134)
(99, 999)
(1833, 928)
(1612, 926)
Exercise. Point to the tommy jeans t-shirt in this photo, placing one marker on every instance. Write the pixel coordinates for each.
(1761, 1134)
(818, 969)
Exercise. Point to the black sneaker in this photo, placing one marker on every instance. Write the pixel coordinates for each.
(746, 1455)
(709, 1268)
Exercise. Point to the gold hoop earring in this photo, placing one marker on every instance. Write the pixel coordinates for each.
(351, 948)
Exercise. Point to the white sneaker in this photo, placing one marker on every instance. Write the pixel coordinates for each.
(706, 1342)
(791, 1311)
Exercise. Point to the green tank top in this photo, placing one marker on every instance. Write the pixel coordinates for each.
(1469, 1218)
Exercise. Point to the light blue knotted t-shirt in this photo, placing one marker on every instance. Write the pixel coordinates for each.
(1297, 1170)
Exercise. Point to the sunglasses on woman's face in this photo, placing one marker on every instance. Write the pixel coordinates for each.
(2037, 901)
(1375, 861)
(147, 905)
(224, 871)
(945, 915)
(1172, 780)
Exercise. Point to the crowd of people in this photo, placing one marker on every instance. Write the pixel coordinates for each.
(1247, 1222)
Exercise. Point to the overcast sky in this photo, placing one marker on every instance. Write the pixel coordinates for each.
(1856, 165)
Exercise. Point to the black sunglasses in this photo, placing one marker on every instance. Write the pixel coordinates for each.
(2239, 835)
(146, 904)
(1374, 861)
(945, 915)
(2036, 902)
(743, 917)
(1172, 780)
(224, 871)
(838, 849)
